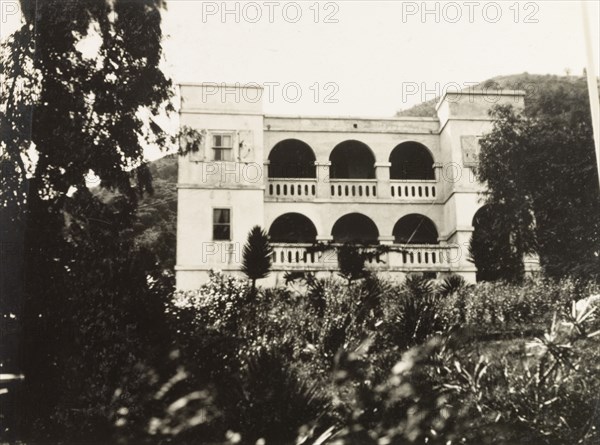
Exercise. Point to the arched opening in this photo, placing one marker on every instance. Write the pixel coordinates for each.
(411, 160)
(490, 247)
(292, 228)
(355, 228)
(415, 229)
(292, 158)
(352, 160)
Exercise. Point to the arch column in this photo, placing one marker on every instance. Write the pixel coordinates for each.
(323, 168)
(382, 174)
(266, 171)
(386, 240)
(437, 170)
(324, 238)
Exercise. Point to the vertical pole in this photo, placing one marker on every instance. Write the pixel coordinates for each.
(592, 82)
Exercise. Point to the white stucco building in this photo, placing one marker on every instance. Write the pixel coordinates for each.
(406, 182)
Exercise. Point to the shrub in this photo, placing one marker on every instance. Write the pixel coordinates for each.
(413, 312)
(272, 362)
(217, 304)
(351, 262)
(502, 306)
(452, 285)
(270, 401)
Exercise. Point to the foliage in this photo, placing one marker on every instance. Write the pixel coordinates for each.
(534, 399)
(315, 289)
(540, 171)
(216, 304)
(257, 255)
(452, 285)
(444, 392)
(156, 220)
(351, 262)
(502, 307)
(459, 357)
(269, 401)
(415, 314)
(190, 140)
(352, 258)
(407, 407)
(534, 85)
(92, 315)
(492, 247)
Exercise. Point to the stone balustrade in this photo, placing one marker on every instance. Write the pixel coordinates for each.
(295, 189)
(414, 190)
(299, 189)
(412, 257)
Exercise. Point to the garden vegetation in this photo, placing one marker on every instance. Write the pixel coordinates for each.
(110, 353)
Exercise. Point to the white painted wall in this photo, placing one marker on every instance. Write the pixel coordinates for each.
(240, 184)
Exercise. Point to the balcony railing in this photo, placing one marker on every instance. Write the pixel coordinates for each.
(413, 257)
(414, 190)
(353, 188)
(297, 189)
(301, 189)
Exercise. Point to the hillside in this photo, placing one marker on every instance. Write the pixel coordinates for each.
(532, 84)
(157, 213)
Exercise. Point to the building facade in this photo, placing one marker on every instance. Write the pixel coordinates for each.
(407, 183)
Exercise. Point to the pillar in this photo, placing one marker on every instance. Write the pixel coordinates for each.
(382, 173)
(323, 183)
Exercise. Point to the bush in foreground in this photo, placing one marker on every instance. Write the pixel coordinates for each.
(370, 362)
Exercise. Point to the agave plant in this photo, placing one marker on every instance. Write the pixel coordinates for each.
(418, 286)
(453, 284)
(416, 313)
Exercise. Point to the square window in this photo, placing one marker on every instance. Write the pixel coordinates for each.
(222, 145)
(222, 224)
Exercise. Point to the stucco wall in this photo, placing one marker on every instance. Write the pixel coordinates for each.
(384, 215)
(240, 184)
(323, 134)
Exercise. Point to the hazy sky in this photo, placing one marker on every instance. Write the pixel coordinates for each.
(373, 58)
(377, 52)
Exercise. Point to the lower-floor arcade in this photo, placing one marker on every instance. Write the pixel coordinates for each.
(432, 238)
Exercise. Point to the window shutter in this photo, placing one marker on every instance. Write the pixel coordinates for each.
(200, 155)
(246, 145)
(470, 150)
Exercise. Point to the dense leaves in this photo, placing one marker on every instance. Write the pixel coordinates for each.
(380, 362)
(493, 247)
(84, 85)
(540, 171)
(257, 255)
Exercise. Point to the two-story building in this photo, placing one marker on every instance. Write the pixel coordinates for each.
(404, 182)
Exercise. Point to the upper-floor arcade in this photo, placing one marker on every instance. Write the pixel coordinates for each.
(351, 169)
(353, 146)
(304, 158)
(350, 159)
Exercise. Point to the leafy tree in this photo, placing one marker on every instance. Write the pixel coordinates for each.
(491, 248)
(351, 262)
(539, 168)
(92, 309)
(257, 256)
(156, 221)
